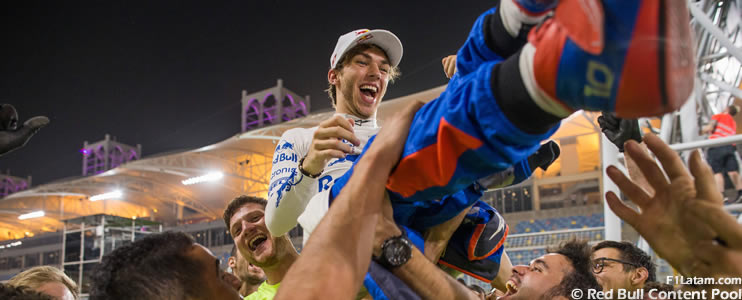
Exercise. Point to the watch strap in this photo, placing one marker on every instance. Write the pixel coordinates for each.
(390, 242)
(304, 172)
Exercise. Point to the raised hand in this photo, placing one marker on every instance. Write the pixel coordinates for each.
(327, 143)
(721, 256)
(13, 137)
(665, 219)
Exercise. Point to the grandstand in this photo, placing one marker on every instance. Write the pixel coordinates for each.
(152, 189)
(556, 205)
(555, 224)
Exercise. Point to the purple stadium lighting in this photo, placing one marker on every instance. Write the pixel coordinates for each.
(268, 96)
(8, 186)
(271, 106)
(107, 154)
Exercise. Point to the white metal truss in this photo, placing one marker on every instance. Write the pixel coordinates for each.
(716, 28)
(716, 24)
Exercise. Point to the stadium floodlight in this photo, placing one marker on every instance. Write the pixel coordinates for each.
(105, 196)
(31, 215)
(13, 244)
(212, 176)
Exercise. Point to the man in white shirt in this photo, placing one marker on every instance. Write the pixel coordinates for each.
(307, 161)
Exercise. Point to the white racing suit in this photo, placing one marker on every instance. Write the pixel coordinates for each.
(290, 191)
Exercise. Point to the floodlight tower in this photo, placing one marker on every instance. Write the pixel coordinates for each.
(272, 106)
(11, 184)
(107, 154)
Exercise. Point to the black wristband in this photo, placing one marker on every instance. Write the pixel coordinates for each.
(301, 169)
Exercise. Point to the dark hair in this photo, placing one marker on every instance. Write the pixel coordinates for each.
(581, 277)
(631, 253)
(660, 287)
(238, 202)
(347, 56)
(733, 109)
(9, 292)
(155, 267)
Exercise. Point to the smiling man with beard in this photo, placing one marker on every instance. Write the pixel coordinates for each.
(245, 218)
(251, 276)
(554, 275)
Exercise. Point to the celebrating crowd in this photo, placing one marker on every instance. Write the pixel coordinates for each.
(394, 212)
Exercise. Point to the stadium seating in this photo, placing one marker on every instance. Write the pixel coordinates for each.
(528, 239)
(523, 257)
(572, 222)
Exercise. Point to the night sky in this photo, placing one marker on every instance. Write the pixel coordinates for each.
(169, 74)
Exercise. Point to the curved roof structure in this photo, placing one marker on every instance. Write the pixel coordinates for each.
(152, 186)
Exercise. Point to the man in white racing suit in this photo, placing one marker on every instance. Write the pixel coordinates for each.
(307, 161)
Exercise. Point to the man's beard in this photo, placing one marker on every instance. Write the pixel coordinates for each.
(278, 251)
(254, 280)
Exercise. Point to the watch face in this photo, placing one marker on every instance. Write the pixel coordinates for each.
(397, 252)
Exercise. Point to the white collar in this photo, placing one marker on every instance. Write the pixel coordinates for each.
(370, 122)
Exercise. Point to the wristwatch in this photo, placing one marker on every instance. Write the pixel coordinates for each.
(395, 252)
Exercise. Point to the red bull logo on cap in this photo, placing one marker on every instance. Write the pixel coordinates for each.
(364, 38)
(362, 31)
